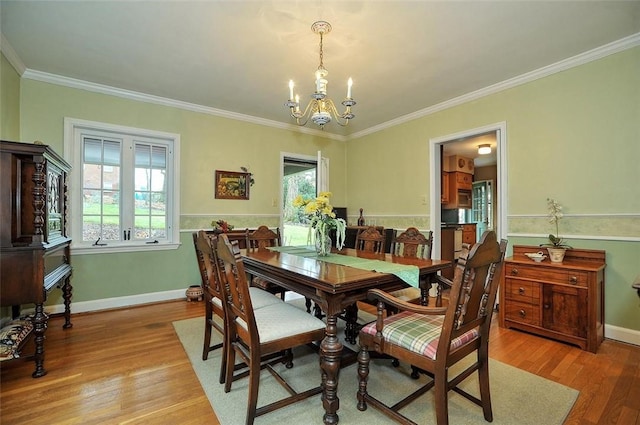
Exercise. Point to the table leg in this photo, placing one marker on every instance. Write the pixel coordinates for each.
(330, 354)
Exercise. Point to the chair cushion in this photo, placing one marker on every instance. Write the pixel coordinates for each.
(282, 320)
(259, 298)
(265, 285)
(417, 332)
(407, 294)
(11, 336)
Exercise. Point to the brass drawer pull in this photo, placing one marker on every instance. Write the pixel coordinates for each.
(521, 290)
(573, 279)
(522, 313)
(514, 272)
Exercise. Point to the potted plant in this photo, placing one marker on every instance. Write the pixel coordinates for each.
(556, 246)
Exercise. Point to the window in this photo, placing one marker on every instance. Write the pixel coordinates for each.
(124, 187)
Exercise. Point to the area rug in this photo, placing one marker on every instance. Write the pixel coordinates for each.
(518, 397)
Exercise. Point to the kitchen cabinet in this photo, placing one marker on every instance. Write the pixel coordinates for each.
(563, 301)
(447, 248)
(469, 233)
(444, 188)
(457, 163)
(460, 185)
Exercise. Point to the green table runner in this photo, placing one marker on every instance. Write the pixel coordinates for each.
(409, 274)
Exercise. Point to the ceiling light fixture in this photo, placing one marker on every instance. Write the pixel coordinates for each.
(321, 109)
(484, 149)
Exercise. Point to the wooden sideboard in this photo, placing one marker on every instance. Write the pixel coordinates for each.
(34, 248)
(563, 301)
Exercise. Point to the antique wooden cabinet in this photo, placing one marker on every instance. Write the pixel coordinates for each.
(564, 301)
(34, 245)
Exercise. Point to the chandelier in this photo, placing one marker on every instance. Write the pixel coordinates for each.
(320, 109)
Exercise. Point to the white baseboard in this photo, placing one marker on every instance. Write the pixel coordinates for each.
(118, 302)
(629, 336)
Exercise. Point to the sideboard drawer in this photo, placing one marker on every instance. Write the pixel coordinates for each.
(541, 273)
(523, 313)
(523, 291)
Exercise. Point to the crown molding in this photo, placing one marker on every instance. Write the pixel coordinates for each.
(11, 55)
(46, 77)
(577, 60)
(580, 59)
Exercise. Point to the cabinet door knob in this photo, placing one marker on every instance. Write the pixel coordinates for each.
(522, 313)
(546, 306)
(514, 271)
(521, 290)
(573, 279)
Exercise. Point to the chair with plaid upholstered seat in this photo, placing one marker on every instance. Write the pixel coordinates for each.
(435, 338)
(412, 243)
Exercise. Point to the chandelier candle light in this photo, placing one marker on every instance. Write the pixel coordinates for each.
(320, 109)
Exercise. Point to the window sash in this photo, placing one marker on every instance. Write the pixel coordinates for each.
(127, 182)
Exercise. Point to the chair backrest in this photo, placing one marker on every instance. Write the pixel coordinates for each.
(204, 245)
(240, 319)
(199, 257)
(413, 243)
(370, 240)
(262, 238)
(473, 292)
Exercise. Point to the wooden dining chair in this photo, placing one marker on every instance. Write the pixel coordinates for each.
(211, 287)
(370, 239)
(436, 338)
(412, 243)
(260, 239)
(253, 333)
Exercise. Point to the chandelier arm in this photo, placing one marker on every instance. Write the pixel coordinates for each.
(332, 108)
(306, 114)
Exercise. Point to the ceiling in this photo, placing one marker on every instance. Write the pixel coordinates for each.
(235, 58)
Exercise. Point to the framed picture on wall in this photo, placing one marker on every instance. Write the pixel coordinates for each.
(232, 185)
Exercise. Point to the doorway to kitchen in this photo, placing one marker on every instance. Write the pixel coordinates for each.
(489, 193)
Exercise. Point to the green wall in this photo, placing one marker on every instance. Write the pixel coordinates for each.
(573, 136)
(207, 143)
(9, 101)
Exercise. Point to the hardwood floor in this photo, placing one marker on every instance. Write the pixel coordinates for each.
(128, 367)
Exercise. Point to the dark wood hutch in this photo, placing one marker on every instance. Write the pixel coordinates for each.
(34, 244)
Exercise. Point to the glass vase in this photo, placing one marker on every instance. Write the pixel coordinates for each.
(323, 244)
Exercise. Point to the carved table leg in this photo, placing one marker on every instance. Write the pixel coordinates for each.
(350, 328)
(66, 291)
(330, 356)
(40, 320)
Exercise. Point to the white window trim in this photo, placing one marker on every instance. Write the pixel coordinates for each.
(72, 155)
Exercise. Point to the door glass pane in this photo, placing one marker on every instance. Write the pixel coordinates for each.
(299, 179)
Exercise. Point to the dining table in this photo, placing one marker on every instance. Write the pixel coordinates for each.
(334, 283)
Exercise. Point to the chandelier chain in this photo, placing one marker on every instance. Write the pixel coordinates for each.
(321, 54)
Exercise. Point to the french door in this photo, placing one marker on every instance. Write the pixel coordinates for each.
(301, 175)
